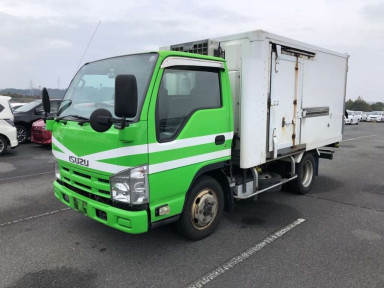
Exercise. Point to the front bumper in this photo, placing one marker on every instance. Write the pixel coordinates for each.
(14, 144)
(133, 222)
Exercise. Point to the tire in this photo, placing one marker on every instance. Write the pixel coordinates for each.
(203, 209)
(305, 171)
(3, 145)
(22, 134)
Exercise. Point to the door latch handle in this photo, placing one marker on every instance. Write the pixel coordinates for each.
(220, 139)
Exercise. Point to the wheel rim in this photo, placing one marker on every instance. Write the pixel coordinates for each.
(204, 209)
(306, 178)
(2, 145)
(21, 134)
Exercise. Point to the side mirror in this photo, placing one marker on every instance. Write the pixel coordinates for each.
(126, 96)
(46, 101)
(100, 120)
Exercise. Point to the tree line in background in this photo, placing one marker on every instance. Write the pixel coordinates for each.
(361, 105)
(26, 95)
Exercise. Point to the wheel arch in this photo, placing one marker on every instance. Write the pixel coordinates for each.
(216, 171)
(6, 138)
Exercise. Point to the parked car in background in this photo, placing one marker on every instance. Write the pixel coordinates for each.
(39, 134)
(376, 116)
(14, 106)
(351, 119)
(364, 116)
(8, 135)
(358, 114)
(29, 113)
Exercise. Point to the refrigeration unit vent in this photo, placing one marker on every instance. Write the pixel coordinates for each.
(203, 47)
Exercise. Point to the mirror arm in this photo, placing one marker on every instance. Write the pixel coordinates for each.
(120, 124)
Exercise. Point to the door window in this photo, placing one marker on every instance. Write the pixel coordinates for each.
(182, 92)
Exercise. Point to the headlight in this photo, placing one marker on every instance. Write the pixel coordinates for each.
(131, 186)
(57, 169)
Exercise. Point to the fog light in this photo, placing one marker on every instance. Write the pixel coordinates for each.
(164, 210)
(65, 197)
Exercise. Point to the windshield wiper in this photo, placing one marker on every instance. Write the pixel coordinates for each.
(84, 119)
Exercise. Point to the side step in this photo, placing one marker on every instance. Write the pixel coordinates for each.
(265, 189)
(326, 154)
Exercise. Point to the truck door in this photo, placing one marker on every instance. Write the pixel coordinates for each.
(285, 92)
(189, 127)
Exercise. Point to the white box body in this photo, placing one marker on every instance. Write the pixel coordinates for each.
(264, 90)
(288, 96)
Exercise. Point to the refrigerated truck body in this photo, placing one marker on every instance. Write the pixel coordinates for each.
(177, 135)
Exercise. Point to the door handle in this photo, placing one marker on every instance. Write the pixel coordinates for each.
(220, 139)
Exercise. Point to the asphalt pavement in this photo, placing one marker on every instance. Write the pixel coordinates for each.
(331, 237)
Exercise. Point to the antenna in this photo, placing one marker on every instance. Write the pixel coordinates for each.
(89, 43)
(31, 88)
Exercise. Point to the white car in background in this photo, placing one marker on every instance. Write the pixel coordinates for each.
(8, 134)
(376, 116)
(359, 115)
(352, 118)
(364, 116)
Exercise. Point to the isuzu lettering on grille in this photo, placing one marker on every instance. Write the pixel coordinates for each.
(79, 161)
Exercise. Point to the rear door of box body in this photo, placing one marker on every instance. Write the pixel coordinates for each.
(307, 94)
(285, 98)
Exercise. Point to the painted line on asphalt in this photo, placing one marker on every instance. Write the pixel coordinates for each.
(25, 156)
(33, 217)
(220, 270)
(374, 140)
(350, 139)
(29, 175)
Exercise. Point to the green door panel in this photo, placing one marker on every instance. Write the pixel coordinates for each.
(173, 164)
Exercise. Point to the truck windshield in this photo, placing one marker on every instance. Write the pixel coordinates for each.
(93, 86)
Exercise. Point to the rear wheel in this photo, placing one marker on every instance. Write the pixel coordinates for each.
(305, 171)
(3, 145)
(22, 134)
(202, 209)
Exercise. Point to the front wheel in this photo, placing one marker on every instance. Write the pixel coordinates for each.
(202, 209)
(22, 134)
(305, 171)
(3, 145)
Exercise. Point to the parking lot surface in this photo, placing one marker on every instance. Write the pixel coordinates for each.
(331, 237)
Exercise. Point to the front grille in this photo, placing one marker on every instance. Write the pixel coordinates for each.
(93, 186)
(83, 175)
(86, 183)
(85, 193)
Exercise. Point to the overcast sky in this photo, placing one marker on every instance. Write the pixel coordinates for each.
(43, 40)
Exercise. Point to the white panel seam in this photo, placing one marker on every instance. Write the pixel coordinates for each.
(155, 168)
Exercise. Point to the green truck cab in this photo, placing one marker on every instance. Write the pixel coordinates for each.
(166, 157)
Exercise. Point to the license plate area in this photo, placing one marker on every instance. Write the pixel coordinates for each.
(80, 206)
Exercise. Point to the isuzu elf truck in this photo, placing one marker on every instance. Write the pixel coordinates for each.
(183, 133)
